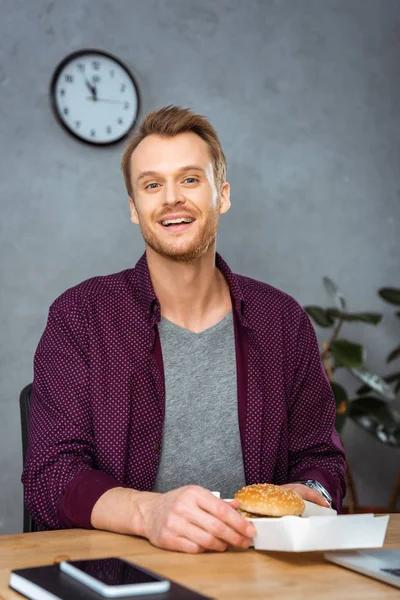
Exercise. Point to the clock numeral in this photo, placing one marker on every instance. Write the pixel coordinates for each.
(123, 87)
(66, 111)
(108, 129)
(62, 92)
(112, 73)
(81, 67)
(77, 124)
(120, 121)
(126, 105)
(96, 79)
(92, 133)
(69, 78)
(96, 65)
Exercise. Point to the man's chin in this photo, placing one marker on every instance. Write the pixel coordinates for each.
(179, 254)
(183, 256)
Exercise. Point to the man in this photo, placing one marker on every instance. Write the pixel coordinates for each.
(158, 385)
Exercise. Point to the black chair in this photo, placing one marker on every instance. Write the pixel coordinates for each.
(24, 405)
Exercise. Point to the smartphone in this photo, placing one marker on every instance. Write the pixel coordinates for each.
(114, 577)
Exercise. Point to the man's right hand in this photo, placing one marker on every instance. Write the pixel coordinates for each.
(189, 519)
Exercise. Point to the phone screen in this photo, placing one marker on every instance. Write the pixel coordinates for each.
(114, 571)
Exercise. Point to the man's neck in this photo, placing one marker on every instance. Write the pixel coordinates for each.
(193, 295)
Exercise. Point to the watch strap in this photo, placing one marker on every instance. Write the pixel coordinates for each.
(315, 485)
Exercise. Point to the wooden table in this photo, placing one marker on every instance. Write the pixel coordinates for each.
(237, 575)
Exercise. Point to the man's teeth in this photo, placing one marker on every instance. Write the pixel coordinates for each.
(176, 221)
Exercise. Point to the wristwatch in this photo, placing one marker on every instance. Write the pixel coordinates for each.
(315, 485)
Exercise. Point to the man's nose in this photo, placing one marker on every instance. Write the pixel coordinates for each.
(173, 195)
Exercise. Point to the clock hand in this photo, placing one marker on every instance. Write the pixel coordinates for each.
(92, 89)
(105, 100)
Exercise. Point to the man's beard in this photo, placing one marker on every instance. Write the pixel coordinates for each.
(190, 251)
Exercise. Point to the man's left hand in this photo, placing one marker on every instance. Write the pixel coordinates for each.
(308, 494)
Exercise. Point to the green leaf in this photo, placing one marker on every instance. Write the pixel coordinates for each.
(376, 417)
(339, 392)
(335, 292)
(347, 354)
(374, 382)
(388, 378)
(340, 422)
(319, 316)
(365, 317)
(394, 354)
(342, 405)
(391, 295)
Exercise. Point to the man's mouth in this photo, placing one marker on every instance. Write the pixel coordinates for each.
(177, 224)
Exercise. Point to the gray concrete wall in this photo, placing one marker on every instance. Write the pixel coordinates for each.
(306, 97)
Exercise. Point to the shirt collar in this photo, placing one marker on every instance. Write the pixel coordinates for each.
(149, 300)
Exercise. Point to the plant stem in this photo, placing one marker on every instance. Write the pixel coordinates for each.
(335, 333)
(327, 363)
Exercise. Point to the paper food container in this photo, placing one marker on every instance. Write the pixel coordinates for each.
(319, 528)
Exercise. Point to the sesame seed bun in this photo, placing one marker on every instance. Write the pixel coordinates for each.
(268, 500)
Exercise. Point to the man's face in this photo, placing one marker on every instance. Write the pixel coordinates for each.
(173, 179)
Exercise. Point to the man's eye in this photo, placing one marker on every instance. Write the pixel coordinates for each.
(190, 180)
(151, 186)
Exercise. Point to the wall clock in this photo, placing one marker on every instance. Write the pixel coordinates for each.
(95, 97)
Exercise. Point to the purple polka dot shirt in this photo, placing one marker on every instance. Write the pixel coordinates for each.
(98, 397)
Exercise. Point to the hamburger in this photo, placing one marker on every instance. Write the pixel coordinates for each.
(267, 500)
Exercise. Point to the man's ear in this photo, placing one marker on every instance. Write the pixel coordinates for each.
(134, 215)
(225, 198)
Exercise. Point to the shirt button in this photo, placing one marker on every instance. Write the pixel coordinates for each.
(156, 447)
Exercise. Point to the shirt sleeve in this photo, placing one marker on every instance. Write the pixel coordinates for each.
(315, 450)
(60, 477)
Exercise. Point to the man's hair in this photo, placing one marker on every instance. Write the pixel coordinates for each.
(169, 122)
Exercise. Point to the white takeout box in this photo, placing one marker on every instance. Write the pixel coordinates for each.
(319, 529)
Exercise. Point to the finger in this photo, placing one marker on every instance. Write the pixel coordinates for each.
(313, 496)
(216, 528)
(234, 503)
(198, 535)
(318, 498)
(180, 544)
(185, 545)
(225, 512)
(308, 493)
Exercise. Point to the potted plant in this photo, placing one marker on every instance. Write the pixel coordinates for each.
(370, 409)
(390, 433)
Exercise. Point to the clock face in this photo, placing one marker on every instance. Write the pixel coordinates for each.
(95, 97)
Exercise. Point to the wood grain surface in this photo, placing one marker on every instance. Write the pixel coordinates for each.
(237, 575)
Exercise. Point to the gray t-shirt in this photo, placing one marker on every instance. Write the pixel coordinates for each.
(201, 439)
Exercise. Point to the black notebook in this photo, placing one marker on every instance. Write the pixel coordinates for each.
(49, 583)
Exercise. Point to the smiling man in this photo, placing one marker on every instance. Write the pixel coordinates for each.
(157, 385)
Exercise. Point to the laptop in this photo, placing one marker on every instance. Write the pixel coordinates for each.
(379, 564)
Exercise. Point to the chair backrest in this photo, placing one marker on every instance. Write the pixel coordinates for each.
(24, 406)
